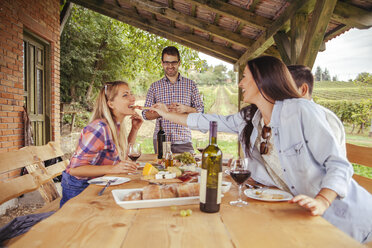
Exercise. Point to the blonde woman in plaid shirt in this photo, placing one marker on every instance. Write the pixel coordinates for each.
(102, 147)
(180, 94)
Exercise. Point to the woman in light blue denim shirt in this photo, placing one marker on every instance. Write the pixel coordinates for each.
(314, 167)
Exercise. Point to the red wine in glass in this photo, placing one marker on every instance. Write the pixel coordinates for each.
(134, 156)
(240, 176)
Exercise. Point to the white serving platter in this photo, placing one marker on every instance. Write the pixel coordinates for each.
(154, 203)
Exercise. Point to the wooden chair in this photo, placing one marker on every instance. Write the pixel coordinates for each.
(39, 177)
(363, 156)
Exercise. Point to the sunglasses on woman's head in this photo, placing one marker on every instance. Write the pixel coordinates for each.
(107, 84)
(265, 134)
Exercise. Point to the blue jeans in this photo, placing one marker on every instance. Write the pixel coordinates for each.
(71, 187)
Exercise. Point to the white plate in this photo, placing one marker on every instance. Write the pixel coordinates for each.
(104, 180)
(153, 203)
(267, 194)
(141, 165)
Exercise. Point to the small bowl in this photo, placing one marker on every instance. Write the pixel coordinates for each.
(225, 187)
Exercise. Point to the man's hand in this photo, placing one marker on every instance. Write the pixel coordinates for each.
(180, 108)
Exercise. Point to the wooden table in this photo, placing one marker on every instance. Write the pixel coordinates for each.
(91, 221)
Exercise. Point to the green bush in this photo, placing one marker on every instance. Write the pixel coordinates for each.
(233, 97)
(209, 97)
(352, 112)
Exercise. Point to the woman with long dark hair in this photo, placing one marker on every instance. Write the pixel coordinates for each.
(102, 147)
(291, 146)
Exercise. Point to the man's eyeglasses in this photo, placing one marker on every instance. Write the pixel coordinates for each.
(266, 133)
(174, 63)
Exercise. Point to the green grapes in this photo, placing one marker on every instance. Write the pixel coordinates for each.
(186, 158)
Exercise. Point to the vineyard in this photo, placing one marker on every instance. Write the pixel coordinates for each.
(341, 91)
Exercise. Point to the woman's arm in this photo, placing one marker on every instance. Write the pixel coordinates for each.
(317, 205)
(96, 171)
(136, 124)
(163, 111)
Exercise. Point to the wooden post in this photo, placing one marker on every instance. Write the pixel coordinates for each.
(240, 101)
(73, 121)
(299, 25)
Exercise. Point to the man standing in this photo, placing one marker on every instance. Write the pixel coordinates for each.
(180, 94)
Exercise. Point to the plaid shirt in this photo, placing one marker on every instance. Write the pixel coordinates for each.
(183, 91)
(96, 147)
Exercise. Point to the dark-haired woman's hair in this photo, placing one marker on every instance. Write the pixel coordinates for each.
(274, 82)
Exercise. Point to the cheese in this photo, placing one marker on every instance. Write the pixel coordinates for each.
(149, 169)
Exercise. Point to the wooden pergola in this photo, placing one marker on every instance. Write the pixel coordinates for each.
(238, 30)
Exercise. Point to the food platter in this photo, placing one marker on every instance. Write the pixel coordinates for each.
(119, 194)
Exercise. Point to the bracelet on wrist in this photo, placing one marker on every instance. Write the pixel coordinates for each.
(325, 198)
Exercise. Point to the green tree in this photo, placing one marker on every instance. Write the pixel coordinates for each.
(325, 75)
(96, 48)
(232, 76)
(364, 78)
(219, 72)
(318, 74)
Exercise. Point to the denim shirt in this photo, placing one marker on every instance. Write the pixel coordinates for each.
(311, 160)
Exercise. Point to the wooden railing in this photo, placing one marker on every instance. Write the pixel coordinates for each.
(363, 156)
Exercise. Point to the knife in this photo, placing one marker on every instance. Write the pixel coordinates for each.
(97, 182)
(107, 184)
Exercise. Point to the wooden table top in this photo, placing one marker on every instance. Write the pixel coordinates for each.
(91, 221)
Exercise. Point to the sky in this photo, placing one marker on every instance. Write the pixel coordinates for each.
(345, 56)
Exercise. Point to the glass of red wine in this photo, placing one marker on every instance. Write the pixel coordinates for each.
(134, 151)
(200, 145)
(240, 173)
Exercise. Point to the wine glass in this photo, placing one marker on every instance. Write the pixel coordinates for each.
(240, 173)
(200, 145)
(134, 151)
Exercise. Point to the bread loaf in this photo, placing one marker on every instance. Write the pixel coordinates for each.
(188, 189)
(169, 191)
(164, 191)
(151, 192)
(133, 196)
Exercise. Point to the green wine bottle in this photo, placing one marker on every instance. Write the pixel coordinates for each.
(211, 174)
(160, 139)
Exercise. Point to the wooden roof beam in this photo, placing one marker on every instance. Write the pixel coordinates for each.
(191, 22)
(315, 33)
(192, 41)
(64, 15)
(284, 46)
(352, 16)
(335, 32)
(266, 38)
(234, 12)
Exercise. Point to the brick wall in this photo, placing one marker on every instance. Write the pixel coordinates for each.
(42, 19)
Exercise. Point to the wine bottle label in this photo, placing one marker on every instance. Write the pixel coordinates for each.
(203, 185)
(219, 188)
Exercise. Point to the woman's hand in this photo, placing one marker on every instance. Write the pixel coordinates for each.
(317, 206)
(125, 166)
(136, 121)
(160, 108)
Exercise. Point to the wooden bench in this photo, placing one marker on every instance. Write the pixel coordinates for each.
(39, 177)
(363, 156)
